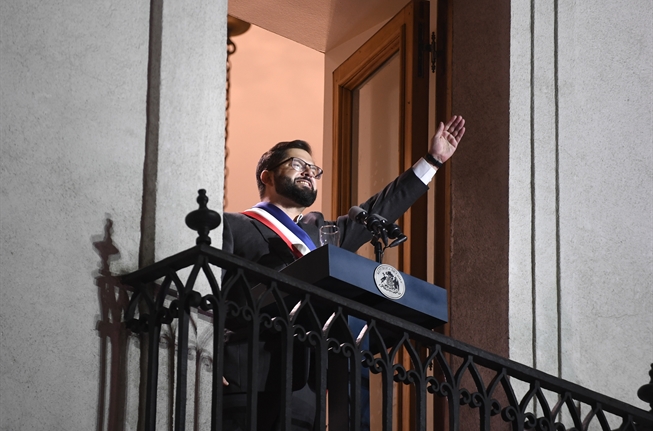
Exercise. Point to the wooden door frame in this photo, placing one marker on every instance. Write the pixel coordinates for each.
(407, 31)
(442, 200)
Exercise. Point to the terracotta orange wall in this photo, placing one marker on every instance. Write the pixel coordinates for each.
(276, 94)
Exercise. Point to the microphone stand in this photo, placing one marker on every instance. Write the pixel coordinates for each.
(378, 248)
(381, 231)
(380, 239)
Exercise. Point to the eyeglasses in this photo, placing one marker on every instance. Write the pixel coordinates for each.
(301, 166)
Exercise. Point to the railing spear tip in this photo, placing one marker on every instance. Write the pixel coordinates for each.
(203, 220)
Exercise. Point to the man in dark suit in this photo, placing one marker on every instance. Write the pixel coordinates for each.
(275, 233)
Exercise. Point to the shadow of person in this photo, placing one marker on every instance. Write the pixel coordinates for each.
(113, 300)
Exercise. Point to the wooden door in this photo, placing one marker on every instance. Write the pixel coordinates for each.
(381, 96)
(381, 125)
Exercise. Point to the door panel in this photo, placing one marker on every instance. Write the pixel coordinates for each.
(381, 123)
(375, 138)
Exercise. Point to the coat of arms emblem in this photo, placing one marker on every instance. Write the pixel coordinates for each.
(389, 281)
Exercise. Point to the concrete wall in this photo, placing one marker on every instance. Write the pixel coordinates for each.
(75, 140)
(581, 189)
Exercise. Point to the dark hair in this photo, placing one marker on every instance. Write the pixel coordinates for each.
(276, 155)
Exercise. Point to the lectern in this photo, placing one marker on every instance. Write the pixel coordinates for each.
(355, 277)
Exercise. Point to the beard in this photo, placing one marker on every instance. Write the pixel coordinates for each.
(286, 187)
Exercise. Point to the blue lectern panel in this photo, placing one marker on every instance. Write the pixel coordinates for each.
(352, 276)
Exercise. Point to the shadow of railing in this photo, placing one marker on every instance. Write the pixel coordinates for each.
(113, 300)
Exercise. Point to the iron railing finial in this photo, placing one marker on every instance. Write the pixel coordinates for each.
(203, 220)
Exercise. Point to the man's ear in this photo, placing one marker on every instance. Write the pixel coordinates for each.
(267, 178)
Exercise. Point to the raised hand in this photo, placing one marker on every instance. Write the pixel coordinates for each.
(446, 138)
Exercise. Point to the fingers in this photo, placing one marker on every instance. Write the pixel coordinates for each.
(455, 122)
(452, 120)
(460, 134)
(440, 129)
(225, 382)
(456, 127)
(452, 131)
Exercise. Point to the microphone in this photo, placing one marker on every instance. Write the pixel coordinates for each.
(357, 214)
(394, 232)
(373, 222)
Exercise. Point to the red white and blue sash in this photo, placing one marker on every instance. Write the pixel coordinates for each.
(278, 221)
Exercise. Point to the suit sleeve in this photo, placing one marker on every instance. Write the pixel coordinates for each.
(391, 203)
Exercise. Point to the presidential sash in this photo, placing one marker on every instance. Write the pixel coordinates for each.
(278, 221)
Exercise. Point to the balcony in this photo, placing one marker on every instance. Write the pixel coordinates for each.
(451, 385)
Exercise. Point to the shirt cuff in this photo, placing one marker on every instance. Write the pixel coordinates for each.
(424, 170)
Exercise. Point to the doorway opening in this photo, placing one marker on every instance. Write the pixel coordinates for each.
(276, 94)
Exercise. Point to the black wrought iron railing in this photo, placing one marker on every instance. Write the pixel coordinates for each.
(475, 386)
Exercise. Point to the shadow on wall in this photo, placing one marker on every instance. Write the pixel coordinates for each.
(115, 368)
(113, 335)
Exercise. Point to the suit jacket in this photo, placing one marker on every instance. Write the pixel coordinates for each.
(252, 240)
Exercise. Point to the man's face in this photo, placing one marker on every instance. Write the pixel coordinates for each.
(300, 187)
